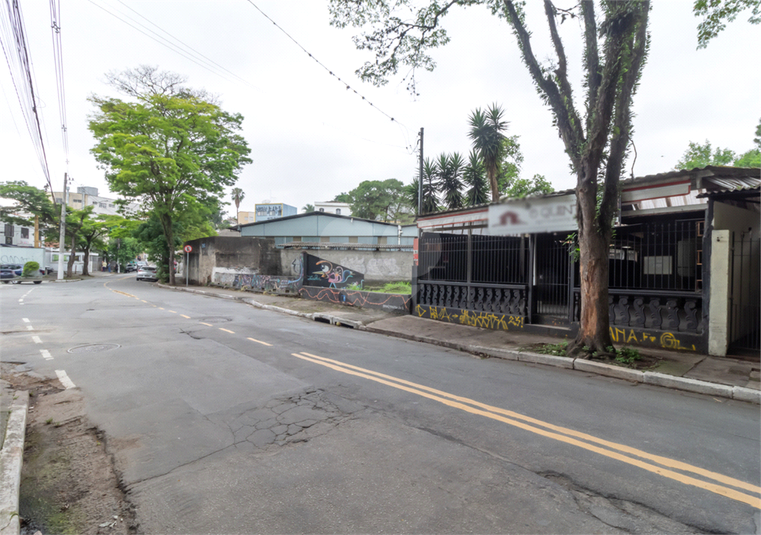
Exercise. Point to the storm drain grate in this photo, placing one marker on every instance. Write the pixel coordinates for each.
(93, 348)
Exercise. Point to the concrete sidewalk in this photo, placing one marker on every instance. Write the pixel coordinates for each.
(721, 377)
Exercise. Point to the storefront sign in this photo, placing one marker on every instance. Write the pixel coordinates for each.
(526, 216)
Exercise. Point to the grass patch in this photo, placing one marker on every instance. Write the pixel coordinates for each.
(558, 349)
(399, 287)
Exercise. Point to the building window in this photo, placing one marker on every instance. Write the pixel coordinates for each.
(324, 238)
(9, 240)
(322, 209)
(59, 200)
(24, 232)
(77, 201)
(382, 240)
(338, 211)
(8, 229)
(102, 205)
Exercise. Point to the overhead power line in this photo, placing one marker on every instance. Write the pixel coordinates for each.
(178, 47)
(328, 70)
(16, 51)
(55, 26)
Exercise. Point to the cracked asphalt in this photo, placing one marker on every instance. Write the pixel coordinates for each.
(222, 418)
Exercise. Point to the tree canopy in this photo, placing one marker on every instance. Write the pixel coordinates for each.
(378, 200)
(700, 155)
(172, 149)
(401, 33)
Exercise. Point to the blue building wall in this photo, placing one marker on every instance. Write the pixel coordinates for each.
(319, 226)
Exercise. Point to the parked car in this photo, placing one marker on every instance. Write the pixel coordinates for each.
(131, 266)
(7, 274)
(147, 273)
(18, 269)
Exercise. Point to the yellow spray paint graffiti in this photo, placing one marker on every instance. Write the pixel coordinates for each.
(630, 336)
(485, 320)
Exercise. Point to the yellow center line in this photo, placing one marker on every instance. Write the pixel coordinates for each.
(495, 413)
(184, 316)
(231, 332)
(144, 301)
(207, 324)
(260, 342)
(172, 311)
(161, 308)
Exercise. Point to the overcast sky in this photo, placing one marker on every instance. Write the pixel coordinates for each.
(312, 139)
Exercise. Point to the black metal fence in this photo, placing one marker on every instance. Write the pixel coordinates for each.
(745, 297)
(655, 275)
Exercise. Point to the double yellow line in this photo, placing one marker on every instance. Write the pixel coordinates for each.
(663, 466)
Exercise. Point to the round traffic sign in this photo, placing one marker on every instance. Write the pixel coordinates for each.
(188, 248)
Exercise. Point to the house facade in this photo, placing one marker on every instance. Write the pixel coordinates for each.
(684, 270)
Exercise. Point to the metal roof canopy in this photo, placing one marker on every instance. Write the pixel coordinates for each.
(686, 190)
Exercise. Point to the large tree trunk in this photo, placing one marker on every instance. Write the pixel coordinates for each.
(166, 222)
(86, 259)
(72, 257)
(594, 243)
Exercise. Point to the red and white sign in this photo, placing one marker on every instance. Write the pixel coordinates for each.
(525, 216)
(188, 248)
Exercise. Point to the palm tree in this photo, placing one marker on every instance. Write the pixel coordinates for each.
(449, 174)
(237, 196)
(475, 177)
(486, 129)
(308, 208)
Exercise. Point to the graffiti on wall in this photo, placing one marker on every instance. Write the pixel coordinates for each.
(263, 283)
(326, 274)
(357, 298)
(666, 340)
(485, 320)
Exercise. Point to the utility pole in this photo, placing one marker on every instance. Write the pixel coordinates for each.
(62, 235)
(420, 184)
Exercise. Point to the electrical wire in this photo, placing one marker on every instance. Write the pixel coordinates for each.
(16, 51)
(55, 25)
(330, 72)
(182, 49)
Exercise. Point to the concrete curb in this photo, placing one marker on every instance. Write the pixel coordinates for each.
(11, 458)
(589, 366)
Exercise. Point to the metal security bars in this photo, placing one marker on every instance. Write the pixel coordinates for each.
(658, 256)
(745, 297)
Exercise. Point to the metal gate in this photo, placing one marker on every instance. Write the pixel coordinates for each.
(551, 290)
(745, 296)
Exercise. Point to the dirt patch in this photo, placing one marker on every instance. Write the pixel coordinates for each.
(68, 482)
(642, 361)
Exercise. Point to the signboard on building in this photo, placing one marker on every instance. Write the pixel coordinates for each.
(265, 212)
(533, 215)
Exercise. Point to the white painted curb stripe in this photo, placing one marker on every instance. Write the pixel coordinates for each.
(65, 381)
(46, 354)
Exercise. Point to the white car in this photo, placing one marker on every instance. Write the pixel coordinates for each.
(147, 273)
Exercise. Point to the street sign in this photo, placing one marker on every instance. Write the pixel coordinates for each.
(188, 248)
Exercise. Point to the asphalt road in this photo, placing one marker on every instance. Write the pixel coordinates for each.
(223, 418)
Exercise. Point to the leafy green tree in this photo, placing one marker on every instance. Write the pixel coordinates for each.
(342, 197)
(716, 14)
(308, 208)
(486, 131)
(699, 156)
(615, 38)
(511, 164)
(29, 202)
(474, 178)
(523, 187)
(377, 200)
(75, 222)
(91, 236)
(172, 149)
(449, 169)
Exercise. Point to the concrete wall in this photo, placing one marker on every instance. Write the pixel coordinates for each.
(22, 255)
(378, 266)
(235, 255)
(397, 303)
(742, 269)
(718, 309)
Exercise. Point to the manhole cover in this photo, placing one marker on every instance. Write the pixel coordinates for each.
(92, 348)
(215, 319)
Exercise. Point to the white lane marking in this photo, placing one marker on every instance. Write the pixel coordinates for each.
(36, 339)
(29, 328)
(21, 300)
(46, 354)
(65, 381)
(25, 320)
